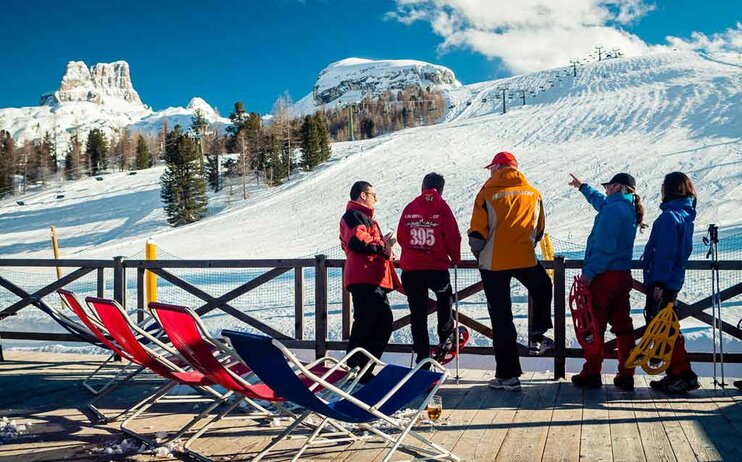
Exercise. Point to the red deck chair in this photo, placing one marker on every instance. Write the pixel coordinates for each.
(92, 322)
(124, 332)
(96, 328)
(191, 338)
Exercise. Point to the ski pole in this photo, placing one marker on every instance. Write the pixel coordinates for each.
(717, 299)
(456, 321)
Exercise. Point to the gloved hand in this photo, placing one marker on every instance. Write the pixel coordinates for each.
(656, 294)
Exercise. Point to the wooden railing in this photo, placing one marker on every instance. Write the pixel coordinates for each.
(122, 268)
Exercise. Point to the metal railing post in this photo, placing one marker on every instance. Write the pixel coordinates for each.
(100, 286)
(298, 303)
(141, 303)
(119, 281)
(320, 305)
(559, 318)
(347, 322)
(119, 287)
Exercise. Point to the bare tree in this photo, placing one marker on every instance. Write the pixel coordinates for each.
(281, 126)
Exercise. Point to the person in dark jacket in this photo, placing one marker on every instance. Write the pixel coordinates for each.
(430, 242)
(607, 272)
(369, 275)
(665, 256)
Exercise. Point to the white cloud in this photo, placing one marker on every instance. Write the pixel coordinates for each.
(728, 41)
(529, 35)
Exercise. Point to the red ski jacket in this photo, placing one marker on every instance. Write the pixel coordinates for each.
(428, 234)
(363, 244)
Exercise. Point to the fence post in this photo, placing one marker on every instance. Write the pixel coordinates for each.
(119, 287)
(119, 281)
(100, 287)
(298, 303)
(141, 303)
(559, 314)
(320, 305)
(347, 319)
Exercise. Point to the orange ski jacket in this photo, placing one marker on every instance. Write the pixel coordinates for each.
(507, 222)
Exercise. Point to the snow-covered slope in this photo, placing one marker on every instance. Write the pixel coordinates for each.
(646, 115)
(98, 97)
(352, 79)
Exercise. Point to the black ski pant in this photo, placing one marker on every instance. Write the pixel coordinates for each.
(416, 285)
(372, 323)
(497, 290)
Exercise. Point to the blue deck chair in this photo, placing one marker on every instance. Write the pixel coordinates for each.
(393, 388)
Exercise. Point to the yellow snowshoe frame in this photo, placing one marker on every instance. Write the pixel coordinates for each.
(655, 349)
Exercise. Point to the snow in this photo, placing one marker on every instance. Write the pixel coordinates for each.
(130, 446)
(646, 115)
(11, 429)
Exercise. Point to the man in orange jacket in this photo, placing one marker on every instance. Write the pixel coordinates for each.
(369, 274)
(507, 222)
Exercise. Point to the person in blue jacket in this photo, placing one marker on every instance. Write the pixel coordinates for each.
(607, 272)
(665, 256)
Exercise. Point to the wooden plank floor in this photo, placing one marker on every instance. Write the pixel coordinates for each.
(549, 420)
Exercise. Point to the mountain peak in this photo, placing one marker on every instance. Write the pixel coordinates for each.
(355, 78)
(100, 84)
(199, 104)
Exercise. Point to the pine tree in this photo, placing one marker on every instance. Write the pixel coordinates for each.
(213, 174)
(39, 162)
(323, 134)
(7, 156)
(310, 145)
(144, 158)
(96, 150)
(50, 151)
(367, 128)
(276, 164)
(72, 167)
(183, 189)
(238, 119)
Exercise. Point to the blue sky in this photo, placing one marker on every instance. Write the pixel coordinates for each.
(252, 51)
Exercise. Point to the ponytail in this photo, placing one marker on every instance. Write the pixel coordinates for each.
(639, 213)
(638, 207)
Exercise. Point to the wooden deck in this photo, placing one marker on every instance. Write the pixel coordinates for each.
(549, 420)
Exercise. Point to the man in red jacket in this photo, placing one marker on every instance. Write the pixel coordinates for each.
(430, 241)
(369, 274)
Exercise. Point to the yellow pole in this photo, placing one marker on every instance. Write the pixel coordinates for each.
(55, 248)
(150, 278)
(547, 251)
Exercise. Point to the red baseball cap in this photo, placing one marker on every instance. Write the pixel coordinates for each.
(503, 158)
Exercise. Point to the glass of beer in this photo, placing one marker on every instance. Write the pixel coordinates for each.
(435, 408)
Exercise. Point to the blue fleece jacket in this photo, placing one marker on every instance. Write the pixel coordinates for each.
(670, 244)
(611, 241)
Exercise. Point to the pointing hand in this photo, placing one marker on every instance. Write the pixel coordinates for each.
(575, 182)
